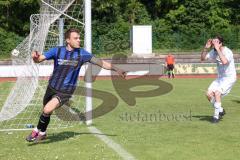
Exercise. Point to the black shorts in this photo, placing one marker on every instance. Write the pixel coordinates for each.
(51, 93)
(170, 67)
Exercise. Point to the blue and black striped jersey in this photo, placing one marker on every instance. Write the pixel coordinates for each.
(67, 65)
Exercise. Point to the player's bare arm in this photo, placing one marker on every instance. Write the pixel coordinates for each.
(218, 47)
(37, 57)
(205, 50)
(108, 66)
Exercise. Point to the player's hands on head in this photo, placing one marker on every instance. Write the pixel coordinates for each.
(216, 43)
(209, 43)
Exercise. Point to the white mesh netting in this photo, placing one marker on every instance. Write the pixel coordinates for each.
(23, 105)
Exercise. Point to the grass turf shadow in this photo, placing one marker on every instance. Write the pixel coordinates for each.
(56, 137)
(236, 101)
(203, 118)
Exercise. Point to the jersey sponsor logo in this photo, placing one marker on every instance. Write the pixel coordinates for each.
(218, 60)
(67, 62)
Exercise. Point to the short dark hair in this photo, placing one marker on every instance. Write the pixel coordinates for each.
(69, 31)
(220, 38)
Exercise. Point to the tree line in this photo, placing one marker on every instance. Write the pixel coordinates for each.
(177, 24)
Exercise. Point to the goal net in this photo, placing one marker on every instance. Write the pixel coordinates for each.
(24, 102)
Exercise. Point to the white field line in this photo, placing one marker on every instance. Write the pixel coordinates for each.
(110, 143)
(9, 130)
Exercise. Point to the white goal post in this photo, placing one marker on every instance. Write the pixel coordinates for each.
(88, 47)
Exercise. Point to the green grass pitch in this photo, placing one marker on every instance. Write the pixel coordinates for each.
(173, 126)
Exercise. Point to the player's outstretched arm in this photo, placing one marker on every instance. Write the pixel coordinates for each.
(205, 49)
(37, 57)
(108, 66)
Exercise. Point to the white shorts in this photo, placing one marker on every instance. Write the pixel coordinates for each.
(223, 85)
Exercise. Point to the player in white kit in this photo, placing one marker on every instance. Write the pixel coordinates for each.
(220, 87)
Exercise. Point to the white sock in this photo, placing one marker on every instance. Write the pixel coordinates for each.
(36, 130)
(218, 107)
(42, 133)
(212, 101)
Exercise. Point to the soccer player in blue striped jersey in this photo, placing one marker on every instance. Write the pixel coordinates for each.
(67, 64)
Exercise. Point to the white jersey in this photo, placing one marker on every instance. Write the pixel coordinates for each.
(227, 70)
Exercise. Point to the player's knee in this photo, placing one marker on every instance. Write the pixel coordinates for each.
(209, 95)
(217, 94)
(47, 110)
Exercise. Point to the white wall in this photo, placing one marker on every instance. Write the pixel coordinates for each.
(46, 70)
(141, 39)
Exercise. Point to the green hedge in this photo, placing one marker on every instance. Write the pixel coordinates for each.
(114, 38)
(8, 41)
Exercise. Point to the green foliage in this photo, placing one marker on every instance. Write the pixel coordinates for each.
(15, 15)
(106, 10)
(178, 25)
(8, 41)
(110, 38)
